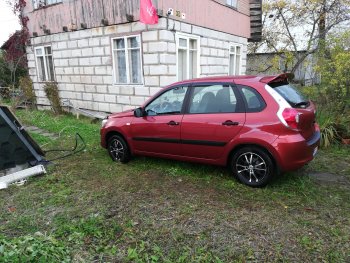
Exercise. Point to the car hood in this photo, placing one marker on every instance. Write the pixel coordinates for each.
(128, 113)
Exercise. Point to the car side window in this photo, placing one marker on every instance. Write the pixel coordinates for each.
(213, 99)
(253, 100)
(169, 102)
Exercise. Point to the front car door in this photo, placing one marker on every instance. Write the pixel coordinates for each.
(214, 116)
(158, 132)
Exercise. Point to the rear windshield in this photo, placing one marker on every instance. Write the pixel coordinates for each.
(291, 94)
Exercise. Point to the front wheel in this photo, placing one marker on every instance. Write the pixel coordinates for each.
(118, 149)
(252, 166)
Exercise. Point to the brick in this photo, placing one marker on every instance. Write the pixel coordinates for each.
(86, 33)
(172, 70)
(140, 90)
(68, 71)
(171, 48)
(123, 100)
(152, 81)
(66, 53)
(75, 79)
(89, 71)
(86, 79)
(151, 59)
(79, 87)
(76, 53)
(69, 86)
(114, 90)
(79, 95)
(103, 107)
(154, 47)
(145, 47)
(98, 80)
(98, 97)
(138, 26)
(123, 28)
(87, 96)
(98, 51)
(158, 70)
(110, 98)
(167, 58)
(115, 108)
(72, 44)
(64, 62)
(95, 61)
(166, 35)
(74, 35)
(126, 90)
(90, 88)
(154, 90)
(87, 52)
(105, 41)
(127, 107)
(62, 45)
(72, 62)
(150, 36)
(137, 101)
(31, 64)
(187, 28)
(107, 51)
(108, 79)
(101, 70)
(167, 80)
(98, 31)
(83, 43)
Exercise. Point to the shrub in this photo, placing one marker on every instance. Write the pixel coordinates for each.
(26, 86)
(51, 90)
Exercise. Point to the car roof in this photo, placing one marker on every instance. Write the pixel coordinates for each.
(238, 79)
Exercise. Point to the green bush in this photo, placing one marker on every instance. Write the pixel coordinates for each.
(51, 90)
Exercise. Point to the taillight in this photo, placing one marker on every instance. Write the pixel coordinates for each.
(291, 117)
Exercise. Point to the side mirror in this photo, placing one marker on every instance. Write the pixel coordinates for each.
(139, 112)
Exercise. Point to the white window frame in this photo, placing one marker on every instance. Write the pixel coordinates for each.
(45, 64)
(128, 82)
(188, 37)
(235, 57)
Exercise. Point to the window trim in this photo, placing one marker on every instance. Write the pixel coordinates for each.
(45, 65)
(128, 83)
(177, 44)
(235, 45)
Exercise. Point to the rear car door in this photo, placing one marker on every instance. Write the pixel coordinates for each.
(214, 116)
(159, 130)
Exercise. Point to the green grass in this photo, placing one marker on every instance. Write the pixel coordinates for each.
(88, 208)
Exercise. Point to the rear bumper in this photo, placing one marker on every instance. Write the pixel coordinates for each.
(294, 151)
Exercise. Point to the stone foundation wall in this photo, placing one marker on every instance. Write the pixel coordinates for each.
(84, 68)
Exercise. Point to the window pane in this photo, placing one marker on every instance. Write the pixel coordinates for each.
(213, 99)
(233, 50)
(238, 64)
(193, 64)
(238, 49)
(135, 66)
(253, 99)
(41, 68)
(120, 66)
(232, 65)
(119, 43)
(50, 69)
(47, 50)
(169, 102)
(182, 66)
(133, 42)
(183, 42)
(39, 52)
(193, 44)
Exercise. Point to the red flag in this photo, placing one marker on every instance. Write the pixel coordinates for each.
(148, 13)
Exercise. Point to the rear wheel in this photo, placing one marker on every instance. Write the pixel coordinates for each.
(118, 149)
(252, 166)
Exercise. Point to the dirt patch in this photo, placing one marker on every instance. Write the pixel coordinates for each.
(328, 178)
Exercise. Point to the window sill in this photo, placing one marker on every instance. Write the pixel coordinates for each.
(128, 84)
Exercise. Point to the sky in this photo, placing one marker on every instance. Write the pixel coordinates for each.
(8, 22)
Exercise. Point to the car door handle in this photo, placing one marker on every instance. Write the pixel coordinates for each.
(173, 123)
(230, 123)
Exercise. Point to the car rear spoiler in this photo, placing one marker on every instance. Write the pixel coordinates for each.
(279, 78)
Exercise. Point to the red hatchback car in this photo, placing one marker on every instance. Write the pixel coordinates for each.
(258, 126)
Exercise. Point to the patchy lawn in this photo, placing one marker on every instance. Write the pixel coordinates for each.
(90, 209)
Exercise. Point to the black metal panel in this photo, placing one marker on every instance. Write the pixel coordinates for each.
(16, 146)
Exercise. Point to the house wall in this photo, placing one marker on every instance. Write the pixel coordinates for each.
(213, 14)
(84, 69)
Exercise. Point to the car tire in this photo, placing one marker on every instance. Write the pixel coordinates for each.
(118, 149)
(252, 166)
